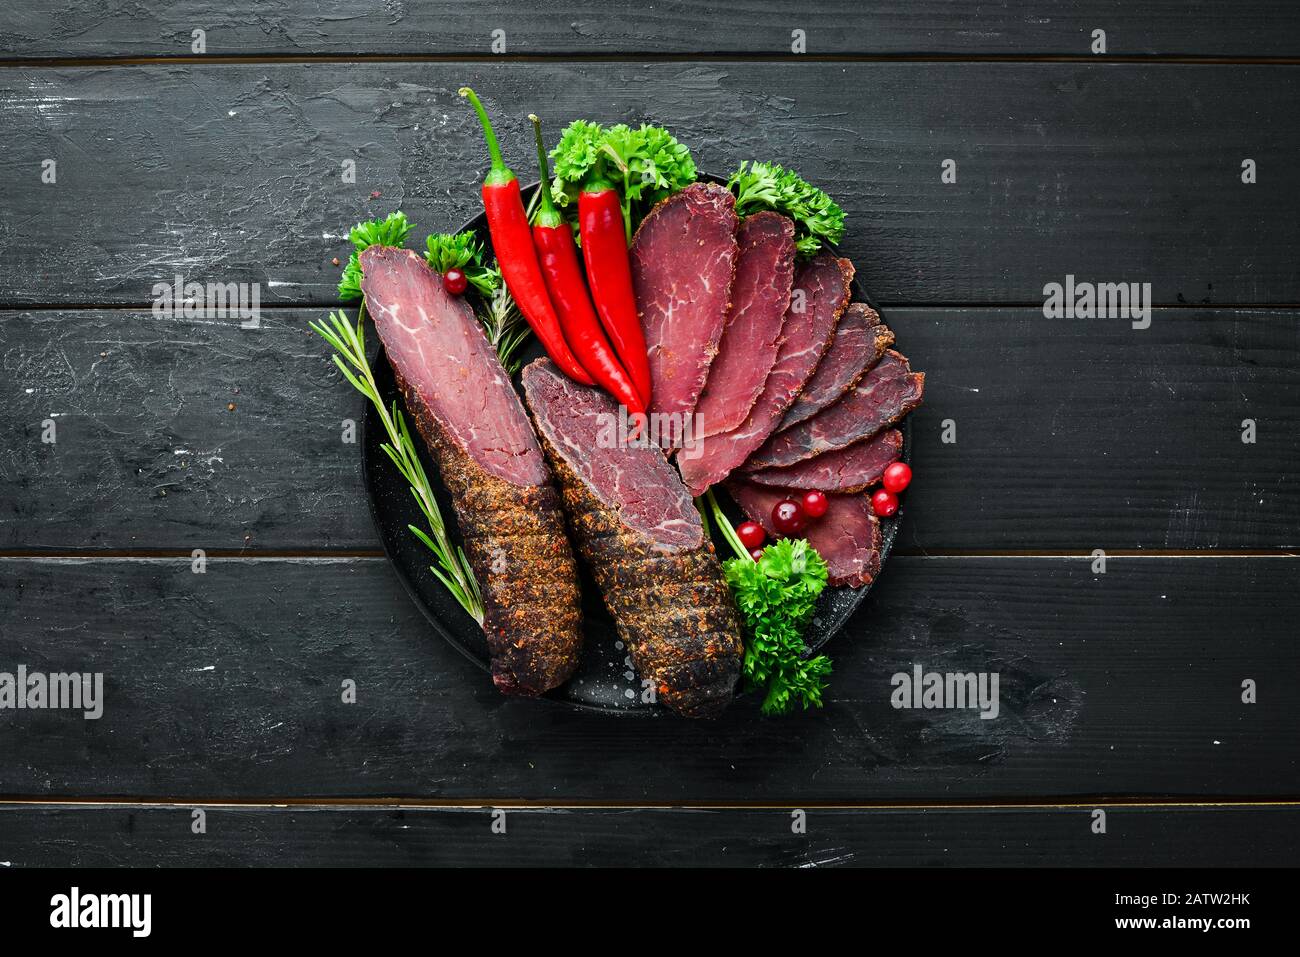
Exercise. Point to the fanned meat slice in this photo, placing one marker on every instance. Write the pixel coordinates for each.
(683, 262)
(760, 295)
(818, 299)
(848, 536)
(644, 543)
(882, 397)
(850, 469)
(860, 340)
(470, 416)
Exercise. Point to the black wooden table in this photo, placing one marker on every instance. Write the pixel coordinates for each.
(131, 154)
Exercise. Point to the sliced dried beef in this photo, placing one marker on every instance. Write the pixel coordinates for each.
(683, 260)
(818, 299)
(760, 295)
(508, 512)
(860, 340)
(881, 398)
(850, 469)
(642, 538)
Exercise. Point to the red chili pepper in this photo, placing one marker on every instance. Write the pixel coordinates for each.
(558, 256)
(609, 273)
(513, 244)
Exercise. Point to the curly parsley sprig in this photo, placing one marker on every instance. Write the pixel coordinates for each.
(776, 596)
(645, 164)
(463, 251)
(392, 230)
(816, 216)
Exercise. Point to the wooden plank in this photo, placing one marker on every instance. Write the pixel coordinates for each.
(233, 173)
(115, 836)
(1070, 434)
(45, 28)
(229, 684)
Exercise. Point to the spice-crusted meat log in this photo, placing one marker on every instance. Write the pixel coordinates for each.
(850, 469)
(508, 511)
(644, 543)
(860, 340)
(848, 536)
(819, 297)
(760, 295)
(882, 397)
(683, 261)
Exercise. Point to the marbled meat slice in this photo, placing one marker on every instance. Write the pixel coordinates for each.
(860, 340)
(882, 397)
(848, 536)
(850, 469)
(508, 511)
(642, 539)
(818, 299)
(760, 295)
(683, 262)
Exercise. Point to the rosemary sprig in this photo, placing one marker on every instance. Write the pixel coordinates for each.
(452, 566)
(504, 324)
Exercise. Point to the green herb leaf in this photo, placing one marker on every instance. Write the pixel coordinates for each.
(504, 325)
(462, 251)
(392, 230)
(645, 164)
(452, 568)
(817, 217)
(776, 596)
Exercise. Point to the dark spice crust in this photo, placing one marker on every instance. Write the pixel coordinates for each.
(515, 542)
(672, 608)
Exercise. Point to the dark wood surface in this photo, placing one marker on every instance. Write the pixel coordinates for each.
(1120, 689)
(1109, 172)
(114, 835)
(151, 457)
(138, 28)
(229, 684)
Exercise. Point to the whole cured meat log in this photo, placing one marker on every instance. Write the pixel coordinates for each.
(882, 397)
(644, 543)
(860, 340)
(683, 260)
(846, 470)
(818, 299)
(508, 512)
(848, 536)
(760, 295)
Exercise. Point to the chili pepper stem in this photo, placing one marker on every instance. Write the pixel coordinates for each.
(547, 214)
(499, 173)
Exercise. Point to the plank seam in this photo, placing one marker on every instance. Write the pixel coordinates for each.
(761, 57)
(407, 803)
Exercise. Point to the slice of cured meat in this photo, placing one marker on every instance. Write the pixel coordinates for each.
(818, 299)
(882, 397)
(683, 260)
(644, 543)
(860, 340)
(850, 469)
(847, 536)
(760, 295)
(509, 513)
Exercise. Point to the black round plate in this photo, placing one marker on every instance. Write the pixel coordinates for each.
(605, 680)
